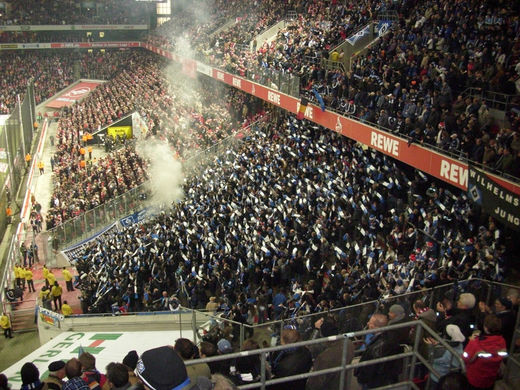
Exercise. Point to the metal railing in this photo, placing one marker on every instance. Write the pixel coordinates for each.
(287, 83)
(330, 65)
(409, 358)
(354, 317)
(185, 320)
(291, 14)
(496, 100)
(388, 15)
(189, 322)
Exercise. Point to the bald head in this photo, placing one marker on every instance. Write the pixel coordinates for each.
(377, 320)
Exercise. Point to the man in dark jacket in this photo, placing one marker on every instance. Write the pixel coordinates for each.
(397, 315)
(329, 358)
(462, 316)
(291, 361)
(381, 345)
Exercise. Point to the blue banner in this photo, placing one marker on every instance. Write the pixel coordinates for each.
(134, 218)
(383, 26)
(360, 34)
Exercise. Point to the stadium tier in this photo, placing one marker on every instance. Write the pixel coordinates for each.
(280, 187)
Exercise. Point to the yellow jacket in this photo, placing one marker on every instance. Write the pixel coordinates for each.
(28, 274)
(17, 272)
(56, 291)
(45, 271)
(51, 278)
(66, 310)
(67, 275)
(44, 295)
(5, 323)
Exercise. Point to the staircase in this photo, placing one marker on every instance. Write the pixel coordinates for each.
(22, 320)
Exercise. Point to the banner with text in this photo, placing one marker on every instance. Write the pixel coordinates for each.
(494, 198)
(73, 27)
(106, 347)
(68, 45)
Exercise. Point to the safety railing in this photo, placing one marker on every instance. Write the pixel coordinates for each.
(496, 100)
(287, 83)
(185, 320)
(349, 318)
(330, 65)
(388, 15)
(198, 324)
(409, 358)
(291, 14)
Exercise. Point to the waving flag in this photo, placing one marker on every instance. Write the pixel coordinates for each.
(319, 98)
(303, 107)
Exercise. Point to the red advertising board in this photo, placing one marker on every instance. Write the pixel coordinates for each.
(73, 94)
(448, 169)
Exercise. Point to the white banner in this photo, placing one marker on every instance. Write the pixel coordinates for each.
(106, 347)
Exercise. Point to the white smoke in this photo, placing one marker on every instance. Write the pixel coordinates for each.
(164, 170)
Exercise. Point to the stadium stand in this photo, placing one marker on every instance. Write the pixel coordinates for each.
(60, 12)
(51, 72)
(297, 223)
(189, 122)
(435, 59)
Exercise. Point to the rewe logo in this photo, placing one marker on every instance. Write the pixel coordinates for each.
(237, 82)
(308, 111)
(385, 144)
(273, 97)
(454, 173)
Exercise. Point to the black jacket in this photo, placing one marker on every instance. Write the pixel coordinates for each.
(329, 358)
(289, 362)
(379, 374)
(462, 318)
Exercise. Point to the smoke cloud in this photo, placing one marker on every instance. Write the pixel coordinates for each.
(165, 172)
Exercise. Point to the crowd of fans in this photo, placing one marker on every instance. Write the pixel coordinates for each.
(51, 73)
(409, 82)
(191, 119)
(60, 12)
(298, 219)
(478, 339)
(79, 189)
(295, 209)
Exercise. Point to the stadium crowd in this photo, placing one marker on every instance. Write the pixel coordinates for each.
(61, 12)
(51, 73)
(481, 349)
(435, 57)
(298, 219)
(296, 208)
(190, 118)
(410, 81)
